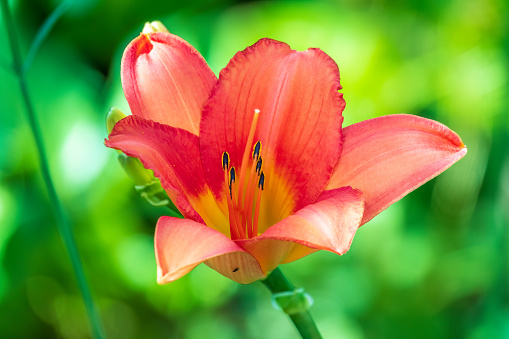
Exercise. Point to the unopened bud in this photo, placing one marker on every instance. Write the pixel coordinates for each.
(144, 180)
(153, 27)
(113, 116)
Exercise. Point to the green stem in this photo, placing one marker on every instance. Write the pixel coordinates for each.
(276, 282)
(43, 32)
(62, 221)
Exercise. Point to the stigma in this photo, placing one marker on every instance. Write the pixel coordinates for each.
(244, 200)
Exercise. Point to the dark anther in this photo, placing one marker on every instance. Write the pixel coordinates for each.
(256, 150)
(232, 175)
(259, 165)
(262, 180)
(235, 270)
(226, 161)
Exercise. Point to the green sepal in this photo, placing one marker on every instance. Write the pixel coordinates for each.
(154, 194)
(137, 172)
(113, 116)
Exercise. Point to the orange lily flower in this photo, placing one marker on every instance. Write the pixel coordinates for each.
(256, 160)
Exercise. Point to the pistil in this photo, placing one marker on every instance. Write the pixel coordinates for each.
(245, 157)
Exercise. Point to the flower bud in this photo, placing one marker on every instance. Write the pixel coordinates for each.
(154, 26)
(144, 180)
(113, 116)
(165, 79)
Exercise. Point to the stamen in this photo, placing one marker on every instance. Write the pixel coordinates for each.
(256, 150)
(235, 208)
(248, 202)
(231, 214)
(232, 176)
(259, 165)
(261, 183)
(226, 161)
(247, 210)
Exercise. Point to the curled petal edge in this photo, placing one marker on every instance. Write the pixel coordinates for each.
(158, 146)
(390, 156)
(328, 224)
(182, 244)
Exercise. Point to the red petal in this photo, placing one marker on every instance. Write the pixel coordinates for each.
(182, 244)
(166, 80)
(160, 148)
(388, 157)
(299, 124)
(329, 224)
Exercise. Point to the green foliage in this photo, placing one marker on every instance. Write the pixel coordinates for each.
(435, 265)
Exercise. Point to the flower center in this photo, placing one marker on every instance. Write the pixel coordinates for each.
(243, 198)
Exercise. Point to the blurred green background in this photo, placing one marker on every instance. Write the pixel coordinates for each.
(434, 265)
